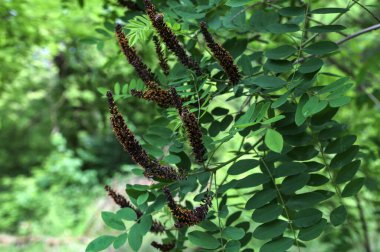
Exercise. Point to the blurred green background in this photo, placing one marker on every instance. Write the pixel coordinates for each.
(57, 150)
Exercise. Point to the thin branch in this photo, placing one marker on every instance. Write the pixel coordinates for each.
(356, 34)
(367, 244)
(367, 10)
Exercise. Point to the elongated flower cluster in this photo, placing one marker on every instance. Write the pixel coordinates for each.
(186, 217)
(222, 55)
(162, 97)
(192, 128)
(129, 4)
(161, 57)
(157, 227)
(169, 38)
(165, 247)
(130, 53)
(126, 138)
(120, 199)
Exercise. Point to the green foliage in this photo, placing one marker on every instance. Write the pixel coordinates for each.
(283, 144)
(299, 162)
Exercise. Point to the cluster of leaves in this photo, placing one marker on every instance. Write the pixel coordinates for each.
(295, 170)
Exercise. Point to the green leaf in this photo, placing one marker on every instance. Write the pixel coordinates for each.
(289, 168)
(321, 47)
(299, 118)
(333, 86)
(305, 200)
(172, 159)
(135, 237)
(280, 52)
(261, 19)
(313, 106)
(270, 230)
(307, 217)
(117, 88)
(127, 213)
(242, 166)
(238, 3)
(326, 28)
(145, 224)
(233, 233)
(120, 241)
(267, 213)
(280, 101)
(340, 144)
(252, 180)
(312, 232)
(311, 65)
(343, 158)
(277, 245)
(353, 187)
(283, 28)
(294, 183)
(260, 198)
(233, 217)
(339, 102)
(102, 90)
(329, 10)
(113, 221)
(292, 11)
(203, 240)
(142, 198)
(218, 111)
(338, 215)
(317, 180)
(269, 82)
(100, 243)
(347, 172)
(278, 66)
(232, 246)
(273, 140)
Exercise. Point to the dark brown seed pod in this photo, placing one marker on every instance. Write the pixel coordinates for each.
(161, 57)
(130, 5)
(164, 247)
(222, 55)
(169, 38)
(186, 217)
(126, 138)
(191, 125)
(130, 53)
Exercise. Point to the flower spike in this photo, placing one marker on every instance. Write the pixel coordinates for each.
(130, 53)
(222, 55)
(186, 217)
(165, 247)
(192, 128)
(153, 169)
(169, 38)
(163, 60)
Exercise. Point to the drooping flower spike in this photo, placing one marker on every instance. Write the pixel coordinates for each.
(153, 169)
(222, 55)
(165, 247)
(157, 227)
(163, 98)
(191, 125)
(169, 38)
(161, 57)
(186, 217)
(142, 70)
(130, 5)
